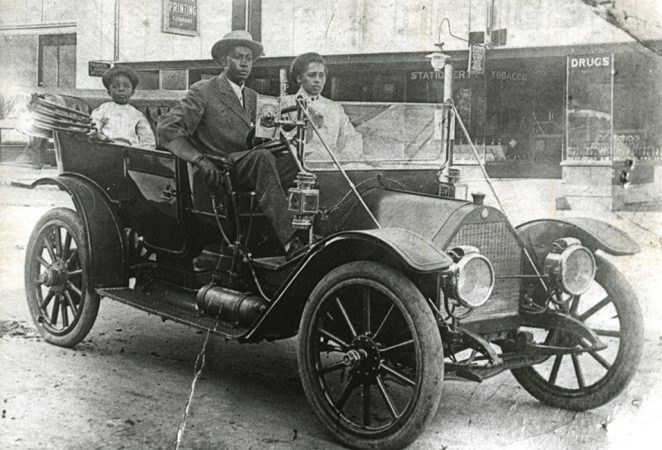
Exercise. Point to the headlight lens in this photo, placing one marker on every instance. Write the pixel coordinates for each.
(577, 270)
(472, 280)
(574, 267)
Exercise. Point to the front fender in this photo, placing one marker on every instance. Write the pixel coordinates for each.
(103, 229)
(539, 235)
(401, 249)
(419, 254)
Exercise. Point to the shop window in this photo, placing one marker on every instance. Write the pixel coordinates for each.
(195, 75)
(148, 80)
(589, 105)
(264, 86)
(365, 86)
(57, 60)
(174, 80)
(637, 117)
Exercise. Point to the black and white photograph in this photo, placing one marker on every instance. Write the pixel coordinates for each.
(328, 224)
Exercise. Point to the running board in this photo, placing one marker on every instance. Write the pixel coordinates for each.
(175, 306)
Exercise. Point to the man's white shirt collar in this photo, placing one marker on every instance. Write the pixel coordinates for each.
(238, 90)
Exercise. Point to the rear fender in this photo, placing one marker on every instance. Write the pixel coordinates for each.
(103, 229)
(539, 235)
(401, 249)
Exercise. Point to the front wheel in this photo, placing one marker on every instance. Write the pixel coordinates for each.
(587, 380)
(62, 303)
(370, 356)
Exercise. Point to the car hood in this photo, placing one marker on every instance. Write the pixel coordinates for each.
(426, 215)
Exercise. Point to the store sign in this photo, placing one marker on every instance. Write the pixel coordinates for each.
(506, 75)
(476, 59)
(500, 75)
(97, 68)
(180, 17)
(434, 75)
(589, 62)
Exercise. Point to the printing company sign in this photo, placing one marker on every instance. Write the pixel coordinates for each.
(180, 17)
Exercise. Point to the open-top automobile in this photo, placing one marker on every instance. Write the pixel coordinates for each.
(401, 285)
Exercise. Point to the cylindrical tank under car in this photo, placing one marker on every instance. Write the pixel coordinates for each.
(230, 306)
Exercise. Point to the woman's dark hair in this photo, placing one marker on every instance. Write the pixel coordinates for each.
(300, 64)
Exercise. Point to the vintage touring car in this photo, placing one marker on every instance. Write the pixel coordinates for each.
(402, 285)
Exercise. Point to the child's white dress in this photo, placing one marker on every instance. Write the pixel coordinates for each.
(124, 124)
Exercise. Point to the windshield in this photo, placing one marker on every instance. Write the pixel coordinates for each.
(385, 135)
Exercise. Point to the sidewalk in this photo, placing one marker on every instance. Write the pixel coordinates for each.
(529, 199)
(22, 175)
(523, 200)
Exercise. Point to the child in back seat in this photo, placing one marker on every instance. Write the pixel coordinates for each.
(117, 121)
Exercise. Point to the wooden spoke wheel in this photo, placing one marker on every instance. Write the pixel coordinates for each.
(588, 379)
(62, 304)
(370, 356)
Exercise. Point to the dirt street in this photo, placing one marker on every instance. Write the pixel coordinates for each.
(127, 384)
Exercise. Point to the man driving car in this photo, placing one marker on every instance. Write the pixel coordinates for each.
(215, 117)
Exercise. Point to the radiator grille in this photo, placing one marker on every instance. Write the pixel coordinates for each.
(497, 243)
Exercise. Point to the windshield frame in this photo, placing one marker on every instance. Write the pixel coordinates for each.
(374, 162)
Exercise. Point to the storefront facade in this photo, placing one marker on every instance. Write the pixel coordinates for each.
(517, 111)
(38, 42)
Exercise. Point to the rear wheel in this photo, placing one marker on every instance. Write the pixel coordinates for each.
(370, 356)
(61, 301)
(590, 379)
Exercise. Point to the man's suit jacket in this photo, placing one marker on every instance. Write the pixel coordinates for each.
(211, 116)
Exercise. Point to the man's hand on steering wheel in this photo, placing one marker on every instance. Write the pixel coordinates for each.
(211, 174)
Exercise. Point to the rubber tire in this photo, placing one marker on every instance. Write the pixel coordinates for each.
(624, 366)
(429, 338)
(90, 302)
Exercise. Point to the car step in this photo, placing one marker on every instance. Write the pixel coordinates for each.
(181, 310)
